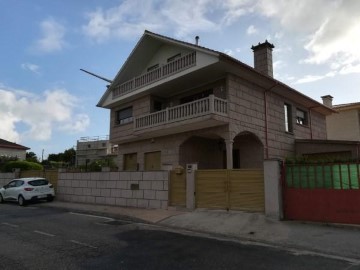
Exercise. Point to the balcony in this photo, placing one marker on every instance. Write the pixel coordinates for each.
(196, 109)
(162, 72)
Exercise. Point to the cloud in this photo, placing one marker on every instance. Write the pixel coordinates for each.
(313, 78)
(52, 39)
(251, 30)
(127, 20)
(54, 110)
(31, 67)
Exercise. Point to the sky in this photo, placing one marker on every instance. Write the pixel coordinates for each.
(47, 103)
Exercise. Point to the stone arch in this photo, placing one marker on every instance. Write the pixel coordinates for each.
(208, 151)
(248, 151)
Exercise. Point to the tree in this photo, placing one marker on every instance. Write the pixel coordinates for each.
(68, 157)
(31, 156)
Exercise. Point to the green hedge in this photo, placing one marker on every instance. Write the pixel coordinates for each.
(22, 165)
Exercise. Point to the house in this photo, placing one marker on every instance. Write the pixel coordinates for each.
(345, 124)
(343, 135)
(174, 103)
(12, 150)
(89, 149)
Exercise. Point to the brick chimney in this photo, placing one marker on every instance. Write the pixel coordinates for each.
(263, 58)
(327, 100)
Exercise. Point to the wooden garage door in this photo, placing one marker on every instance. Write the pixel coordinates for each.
(210, 189)
(177, 189)
(246, 190)
(230, 189)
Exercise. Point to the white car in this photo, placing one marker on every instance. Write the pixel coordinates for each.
(23, 190)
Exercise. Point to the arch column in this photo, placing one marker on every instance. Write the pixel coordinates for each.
(229, 154)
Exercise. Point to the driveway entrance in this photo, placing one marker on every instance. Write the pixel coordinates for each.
(230, 189)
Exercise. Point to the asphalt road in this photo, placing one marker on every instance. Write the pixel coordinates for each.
(37, 237)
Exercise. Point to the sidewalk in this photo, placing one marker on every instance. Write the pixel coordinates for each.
(320, 238)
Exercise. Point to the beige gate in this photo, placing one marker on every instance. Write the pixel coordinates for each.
(177, 189)
(51, 175)
(230, 189)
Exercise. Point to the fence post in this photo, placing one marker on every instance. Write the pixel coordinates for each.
(273, 189)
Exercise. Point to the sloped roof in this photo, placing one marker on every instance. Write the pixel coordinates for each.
(278, 87)
(11, 145)
(347, 106)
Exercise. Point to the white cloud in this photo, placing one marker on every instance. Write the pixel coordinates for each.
(251, 30)
(127, 20)
(31, 67)
(41, 115)
(313, 78)
(52, 39)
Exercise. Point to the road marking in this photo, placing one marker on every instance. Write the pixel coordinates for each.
(93, 216)
(82, 244)
(45, 233)
(10, 225)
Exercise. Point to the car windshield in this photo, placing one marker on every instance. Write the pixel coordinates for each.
(39, 182)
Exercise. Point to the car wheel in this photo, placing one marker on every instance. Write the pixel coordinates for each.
(50, 199)
(1, 199)
(21, 201)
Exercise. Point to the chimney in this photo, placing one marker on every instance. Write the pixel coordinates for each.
(263, 58)
(197, 40)
(327, 100)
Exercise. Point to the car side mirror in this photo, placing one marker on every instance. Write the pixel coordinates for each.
(6, 186)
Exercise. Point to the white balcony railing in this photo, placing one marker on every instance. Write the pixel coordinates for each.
(209, 105)
(166, 70)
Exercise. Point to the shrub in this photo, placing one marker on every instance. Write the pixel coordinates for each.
(22, 165)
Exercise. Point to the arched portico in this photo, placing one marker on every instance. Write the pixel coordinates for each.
(248, 151)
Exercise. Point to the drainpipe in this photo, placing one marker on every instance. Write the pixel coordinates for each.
(310, 124)
(266, 120)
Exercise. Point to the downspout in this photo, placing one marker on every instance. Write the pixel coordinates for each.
(310, 124)
(266, 120)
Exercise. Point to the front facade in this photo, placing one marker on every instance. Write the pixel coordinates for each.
(174, 103)
(89, 149)
(12, 150)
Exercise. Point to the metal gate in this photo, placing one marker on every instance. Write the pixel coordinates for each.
(177, 189)
(230, 189)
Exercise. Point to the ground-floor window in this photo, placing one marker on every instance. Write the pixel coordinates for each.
(130, 162)
(152, 161)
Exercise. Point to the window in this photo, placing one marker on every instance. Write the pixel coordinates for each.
(130, 162)
(301, 117)
(152, 68)
(172, 58)
(124, 116)
(152, 161)
(288, 118)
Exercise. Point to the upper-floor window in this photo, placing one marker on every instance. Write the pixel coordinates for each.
(124, 116)
(152, 68)
(172, 58)
(288, 118)
(301, 117)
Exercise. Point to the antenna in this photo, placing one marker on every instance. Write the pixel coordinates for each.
(97, 76)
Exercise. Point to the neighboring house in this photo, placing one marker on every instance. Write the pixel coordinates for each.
(89, 149)
(174, 103)
(345, 124)
(10, 149)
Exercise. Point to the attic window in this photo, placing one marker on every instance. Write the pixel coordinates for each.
(172, 58)
(152, 68)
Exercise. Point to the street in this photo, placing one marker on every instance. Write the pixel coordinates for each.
(37, 237)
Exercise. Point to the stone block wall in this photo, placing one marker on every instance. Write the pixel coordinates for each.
(130, 189)
(6, 177)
